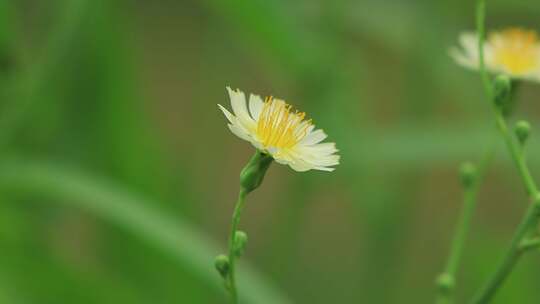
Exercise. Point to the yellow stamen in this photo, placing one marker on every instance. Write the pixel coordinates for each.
(516, 50)
(278, 126)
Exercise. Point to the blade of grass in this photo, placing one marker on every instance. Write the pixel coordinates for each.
(106, 200)
(31, 78)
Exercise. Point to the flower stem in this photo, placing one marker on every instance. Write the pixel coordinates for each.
(446, 281)
(232, 254)
(251, 177)
(530, 244)
(528, 222)
(532, 215)
(517, 156)
(513, 254)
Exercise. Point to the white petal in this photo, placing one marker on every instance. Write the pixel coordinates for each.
(317, 157)
(257, 144)
(281, 156)
(228, 114)
(332, 160)
(462, 59)
(313, 138)
(302, 126)
(281, 161)
(468, 54)
(255, 106)
(238, 131)
(327, 169)
(300, 166)
(319, 150)
(238, 103)
(234, 120)
(469, 43)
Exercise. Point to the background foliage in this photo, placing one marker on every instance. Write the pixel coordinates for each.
(118, 175)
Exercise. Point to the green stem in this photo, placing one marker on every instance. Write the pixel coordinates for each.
(529, 244)
(513, 147)
(528, 222)
(512, 256)
(532, 215)
(517, 155)
(446, 281)
(232, 254)
(251, 177)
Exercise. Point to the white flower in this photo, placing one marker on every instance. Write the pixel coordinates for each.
(514, 52)
(272, 127)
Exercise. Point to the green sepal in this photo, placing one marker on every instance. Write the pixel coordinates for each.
(253, 173)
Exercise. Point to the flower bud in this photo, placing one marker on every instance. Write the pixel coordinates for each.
(467, 174)
(522, 130)
(240, 241)
(502, 88)
(253, 173)
(222, 265)
(445, 282)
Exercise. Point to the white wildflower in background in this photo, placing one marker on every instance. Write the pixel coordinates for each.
(514, 52)
(273, 128)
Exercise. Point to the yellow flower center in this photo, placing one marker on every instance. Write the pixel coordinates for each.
(278, 126)
(516, 50)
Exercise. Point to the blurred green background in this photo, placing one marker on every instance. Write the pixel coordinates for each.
(118, 175)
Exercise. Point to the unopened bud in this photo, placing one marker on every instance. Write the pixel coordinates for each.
(222, 265)
(240, 241)
(502, 88)
(522, 130)
(467, 174)
(445, 282)
(253, 173)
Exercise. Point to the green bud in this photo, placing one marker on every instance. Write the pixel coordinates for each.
(222, 265)
(502, 88)
(522, 130)
(253, 173)
(467, 174)
(240, 241)
(445, 282)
